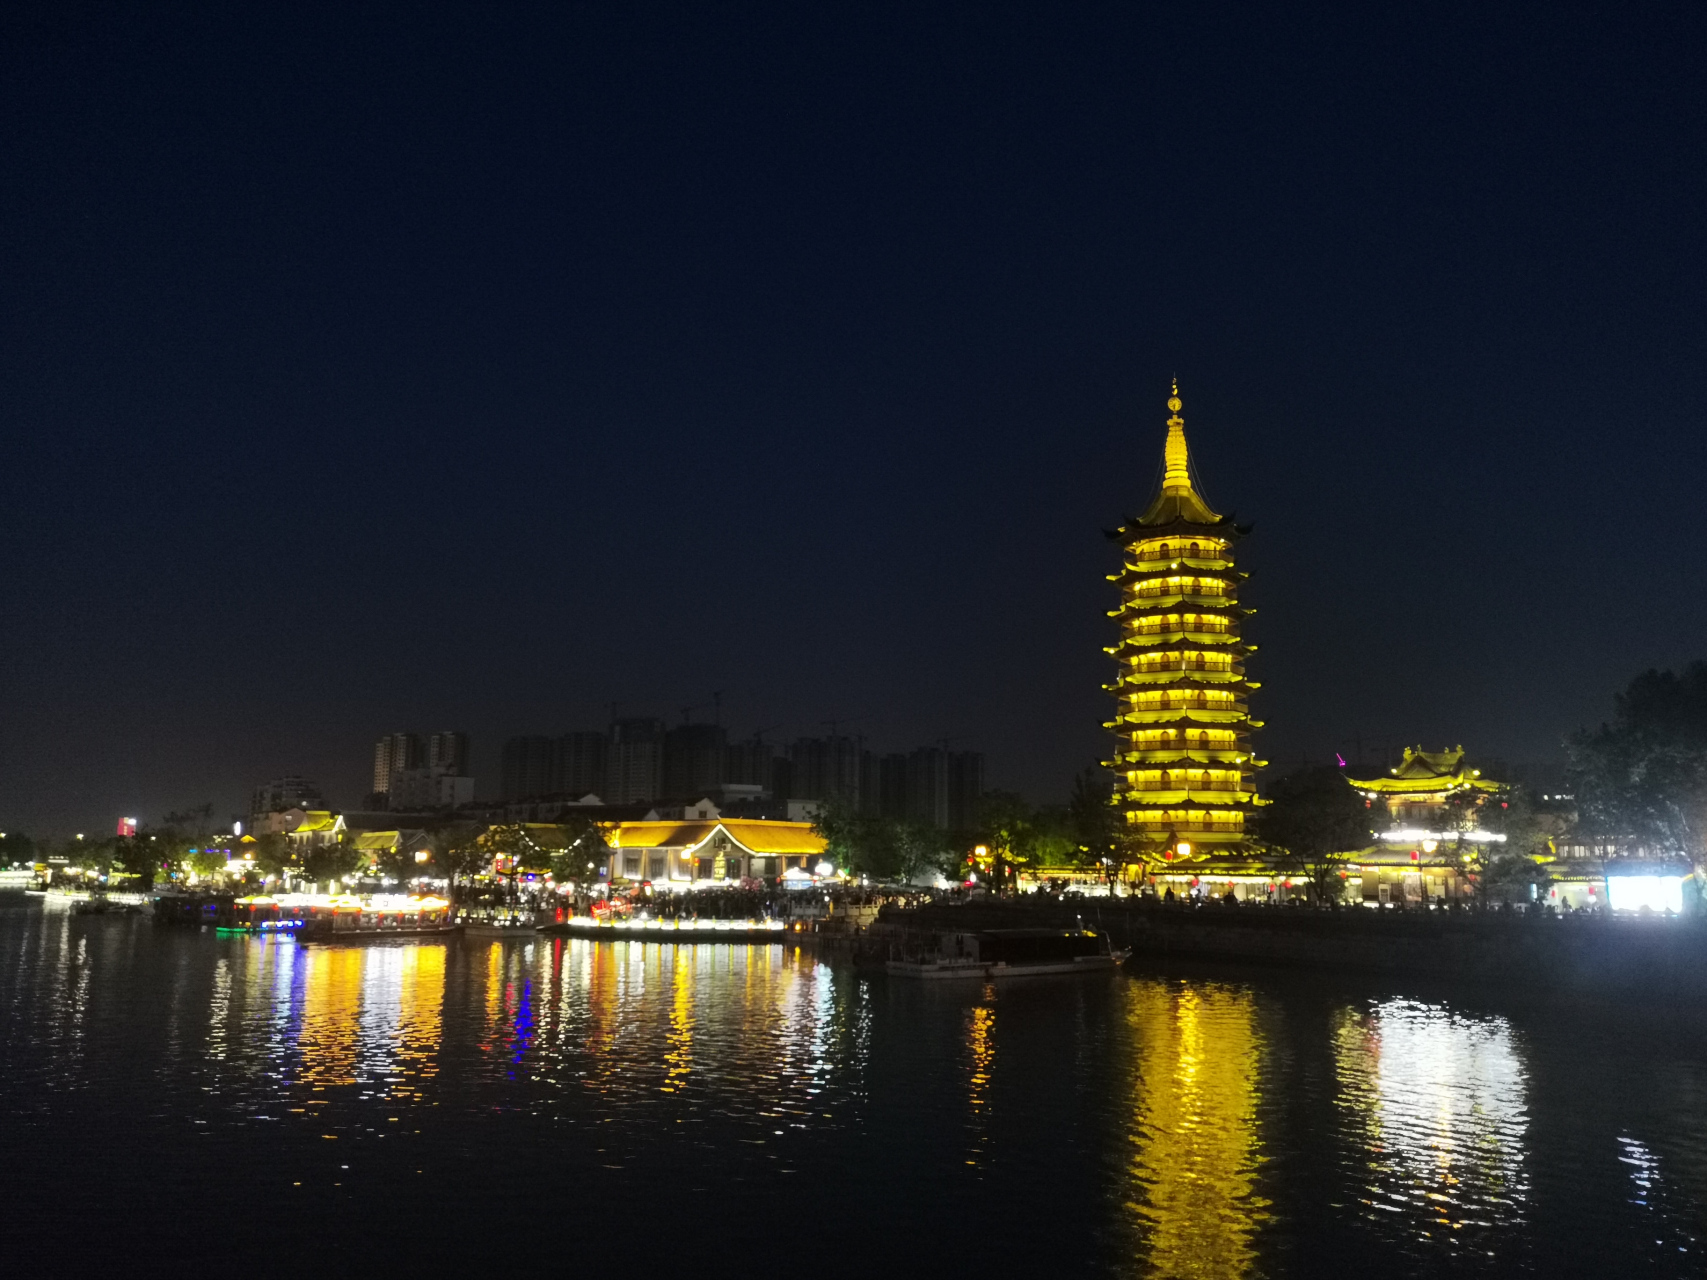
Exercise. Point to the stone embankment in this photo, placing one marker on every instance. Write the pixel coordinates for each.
(1600, 953)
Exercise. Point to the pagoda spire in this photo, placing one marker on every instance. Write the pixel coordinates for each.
(1178, 500)
(1177, 477)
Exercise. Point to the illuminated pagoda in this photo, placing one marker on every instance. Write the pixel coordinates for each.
(1422, 787)
(1182, 723)
(1433, 801)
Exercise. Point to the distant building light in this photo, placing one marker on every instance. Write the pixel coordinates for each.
(1412, 835)
(127, 826)
(1632, 893)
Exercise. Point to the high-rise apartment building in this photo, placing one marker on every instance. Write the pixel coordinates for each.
(750, 764)
(579, 766)
(927, 787)
(694, 760)
(529, 768)
(826, 769)
(634, 763)
(289, 792)
(965, 789)
(931, 786)
(392, 754)
(447, 750)
(892, 785)
(412, 772)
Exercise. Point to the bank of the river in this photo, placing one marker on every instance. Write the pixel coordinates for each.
(1613, 955)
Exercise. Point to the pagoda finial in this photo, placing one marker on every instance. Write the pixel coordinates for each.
(1176, 478)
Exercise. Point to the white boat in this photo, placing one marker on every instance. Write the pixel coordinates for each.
(1005, 953)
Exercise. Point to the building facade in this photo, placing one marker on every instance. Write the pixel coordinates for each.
(281, 794)
(392, 754)
(1433, 804)
(634, 763)
(1182, 726)
(726, 851)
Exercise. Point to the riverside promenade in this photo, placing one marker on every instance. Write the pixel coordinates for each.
(1601, 953)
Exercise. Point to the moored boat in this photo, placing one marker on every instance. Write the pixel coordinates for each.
(1003, 953)
(504, 928)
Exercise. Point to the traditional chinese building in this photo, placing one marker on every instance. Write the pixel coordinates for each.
(1182, 721)
(1432, 801)
(721, 851)
(1424, 786)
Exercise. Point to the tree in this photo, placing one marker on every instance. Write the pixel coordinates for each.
(1098, 829)
(16, 849)
(331, 861)
(1641, 779)
(919, 849)
(458, 855)
(139, 857)
(584, 850)
(274, 857)
(1008, 829)
(1499, 866)
(1313, 822)
(881, 848)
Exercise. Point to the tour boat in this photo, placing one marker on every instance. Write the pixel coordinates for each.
(1004, 953)
(313, 917)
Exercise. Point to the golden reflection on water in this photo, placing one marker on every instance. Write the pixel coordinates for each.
(330, 1036)
(980, 1070)
(678, 1054)
(1195, 1144)
(368, 1014)
(420, 1020)
(1438, 1104)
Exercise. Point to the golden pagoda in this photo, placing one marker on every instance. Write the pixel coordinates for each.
(1182, 723)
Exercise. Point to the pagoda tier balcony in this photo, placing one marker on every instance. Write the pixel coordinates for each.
(1187, 696)
(1195, 796)
(1148, 559)
(1161, 547)
(1210, 659)
(1183, 830)
(1151, 791)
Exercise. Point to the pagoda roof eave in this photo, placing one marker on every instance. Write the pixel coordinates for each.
(1422, 786)
(1179, 679)
(1135, 529)
(1197, 715)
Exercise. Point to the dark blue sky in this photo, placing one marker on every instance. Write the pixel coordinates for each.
(409, 366)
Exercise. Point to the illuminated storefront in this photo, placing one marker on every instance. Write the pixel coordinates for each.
(727, 851)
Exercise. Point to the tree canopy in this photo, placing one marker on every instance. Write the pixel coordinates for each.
(1314, 819)
(1640, 779)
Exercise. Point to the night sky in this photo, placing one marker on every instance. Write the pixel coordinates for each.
(383, 367)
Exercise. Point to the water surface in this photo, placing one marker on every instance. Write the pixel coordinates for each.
(561, 1104)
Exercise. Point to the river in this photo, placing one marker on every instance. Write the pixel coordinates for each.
(555, 1105)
